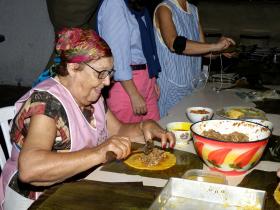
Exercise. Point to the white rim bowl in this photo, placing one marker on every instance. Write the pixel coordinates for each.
(196, 117)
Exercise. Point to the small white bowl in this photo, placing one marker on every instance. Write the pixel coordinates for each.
(196, 114)
(265, 123)
(181, 131)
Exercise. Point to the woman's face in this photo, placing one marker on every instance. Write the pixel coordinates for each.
(86, 86)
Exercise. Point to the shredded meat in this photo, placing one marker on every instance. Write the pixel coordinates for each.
(200, 111)
(153, 158)
(234, 136)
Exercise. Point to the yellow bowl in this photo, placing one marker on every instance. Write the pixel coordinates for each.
(181, 131)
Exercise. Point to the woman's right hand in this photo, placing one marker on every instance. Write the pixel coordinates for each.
(223, 44)
(119, 145)
(138, 104)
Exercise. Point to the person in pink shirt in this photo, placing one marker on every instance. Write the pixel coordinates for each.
(62, 126)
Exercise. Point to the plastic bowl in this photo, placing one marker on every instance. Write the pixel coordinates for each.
(196, 114)
(205, 176)
(265, 123)
(181, 131)
(230, 158)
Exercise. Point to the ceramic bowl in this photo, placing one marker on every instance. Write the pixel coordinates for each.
(230, 158)
(196, 114)
(181, 131)
(265, 123)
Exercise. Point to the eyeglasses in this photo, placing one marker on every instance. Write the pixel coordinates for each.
(101, 74)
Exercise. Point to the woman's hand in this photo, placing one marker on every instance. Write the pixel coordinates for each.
(119, 145)
(152, 130)
(230, 55)
(157, 89)
(278, 174)
(138, 104)
(223, 44)
(137, 101)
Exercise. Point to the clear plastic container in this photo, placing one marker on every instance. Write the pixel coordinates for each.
(205, 176)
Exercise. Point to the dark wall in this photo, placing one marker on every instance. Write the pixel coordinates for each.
(239, 17)
(235, 18)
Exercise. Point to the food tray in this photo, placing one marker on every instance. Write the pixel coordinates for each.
(193, 195)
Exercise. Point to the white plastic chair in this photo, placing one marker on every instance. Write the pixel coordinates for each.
(6, 114)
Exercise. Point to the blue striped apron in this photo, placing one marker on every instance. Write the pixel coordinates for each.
(178, 71)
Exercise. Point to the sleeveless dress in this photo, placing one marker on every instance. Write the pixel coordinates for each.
(176, 78)
(82, 133)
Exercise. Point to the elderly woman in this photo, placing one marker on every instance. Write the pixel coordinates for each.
(62, 127)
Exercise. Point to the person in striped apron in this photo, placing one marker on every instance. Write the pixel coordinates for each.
(180, 45)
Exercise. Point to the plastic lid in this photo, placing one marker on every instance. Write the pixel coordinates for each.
(205, 176)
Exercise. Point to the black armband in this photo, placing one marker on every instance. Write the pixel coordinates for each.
(179, 44)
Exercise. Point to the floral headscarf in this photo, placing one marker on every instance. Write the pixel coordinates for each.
(76, 45)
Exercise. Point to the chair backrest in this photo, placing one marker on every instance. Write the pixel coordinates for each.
(6, 114)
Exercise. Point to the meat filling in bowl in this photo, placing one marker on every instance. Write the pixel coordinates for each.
(153, 158)
(200, 111)
(234, 136)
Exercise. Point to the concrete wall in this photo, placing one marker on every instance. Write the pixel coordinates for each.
(29, 40)
(233, 17)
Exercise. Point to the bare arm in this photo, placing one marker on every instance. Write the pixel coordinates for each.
(168, 31)
(136, 132)
(203, 40)
(131, 130)
(38, 165)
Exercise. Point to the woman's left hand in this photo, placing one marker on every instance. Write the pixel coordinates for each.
(157, 89)
(152, 130)
(230, 55)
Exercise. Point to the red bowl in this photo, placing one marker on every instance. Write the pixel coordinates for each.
(230, 158)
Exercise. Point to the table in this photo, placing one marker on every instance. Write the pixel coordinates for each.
(266, 170)
(206, 97)
(86, 194)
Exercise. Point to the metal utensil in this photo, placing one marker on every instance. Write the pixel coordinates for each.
(110, 156)
(146, 149)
